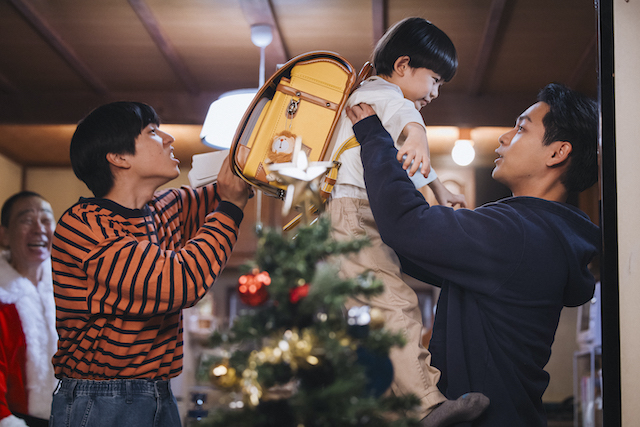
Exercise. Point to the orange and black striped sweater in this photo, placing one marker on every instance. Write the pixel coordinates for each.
(122, 277)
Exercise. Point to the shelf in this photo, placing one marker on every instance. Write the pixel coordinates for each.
(587, 387)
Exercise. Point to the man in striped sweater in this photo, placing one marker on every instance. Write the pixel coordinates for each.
(125, 264)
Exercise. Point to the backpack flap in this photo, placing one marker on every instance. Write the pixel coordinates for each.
(302, 102)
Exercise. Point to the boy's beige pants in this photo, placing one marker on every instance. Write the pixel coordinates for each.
(352, 218)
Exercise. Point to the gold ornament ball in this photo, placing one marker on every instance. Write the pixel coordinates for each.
(377, 318)
(223, 376)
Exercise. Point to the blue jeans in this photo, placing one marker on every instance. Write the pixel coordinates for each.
(110, 403)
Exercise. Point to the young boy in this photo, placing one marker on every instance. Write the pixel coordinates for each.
(126, 263)
(412, 60)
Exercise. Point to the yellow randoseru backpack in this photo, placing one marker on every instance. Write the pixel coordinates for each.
(302, 101)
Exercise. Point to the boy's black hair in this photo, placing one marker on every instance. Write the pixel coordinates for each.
(426, 45)
(573, 117)
(5, 216)
(111, 128)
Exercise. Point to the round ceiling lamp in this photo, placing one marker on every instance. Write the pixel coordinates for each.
(225, 113)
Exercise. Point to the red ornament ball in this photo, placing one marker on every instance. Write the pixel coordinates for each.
(252, 288)
(299, 292)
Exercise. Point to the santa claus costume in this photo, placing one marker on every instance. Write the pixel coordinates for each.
(28, 340)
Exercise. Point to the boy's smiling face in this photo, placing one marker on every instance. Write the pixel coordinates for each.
(421, 86)
(418, 85)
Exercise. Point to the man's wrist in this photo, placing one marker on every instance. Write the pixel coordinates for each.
(366, 126)
(231, 210)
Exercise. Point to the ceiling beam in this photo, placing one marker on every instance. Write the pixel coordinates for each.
(487, 46)
(164, 45)
(379, 17)
(180, 107)
(588, 59)
(261, 12)
(40, 24)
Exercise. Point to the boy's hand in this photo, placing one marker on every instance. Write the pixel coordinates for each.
(231, 188)
(455, 200)
(415, 149)
(359, 112)
(446, 197)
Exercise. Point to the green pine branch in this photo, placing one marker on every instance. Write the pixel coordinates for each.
(327, 384)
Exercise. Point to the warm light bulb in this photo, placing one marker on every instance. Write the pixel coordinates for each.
(463, 152)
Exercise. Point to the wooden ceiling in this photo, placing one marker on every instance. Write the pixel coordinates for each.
(61, 58)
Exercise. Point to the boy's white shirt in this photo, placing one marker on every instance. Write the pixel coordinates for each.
(395, 112)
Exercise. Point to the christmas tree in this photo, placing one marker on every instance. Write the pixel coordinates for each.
(298, 358)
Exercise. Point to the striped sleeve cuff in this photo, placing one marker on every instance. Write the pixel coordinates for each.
(231, 210)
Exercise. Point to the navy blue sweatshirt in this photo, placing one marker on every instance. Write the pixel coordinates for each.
(505, 270)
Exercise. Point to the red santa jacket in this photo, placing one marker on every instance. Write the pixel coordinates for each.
(28, 340)
(13, 347)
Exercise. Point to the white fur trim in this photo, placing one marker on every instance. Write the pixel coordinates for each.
(37, 311)
(12, 421)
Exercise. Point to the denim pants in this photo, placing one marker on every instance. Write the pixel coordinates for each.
(111, 403)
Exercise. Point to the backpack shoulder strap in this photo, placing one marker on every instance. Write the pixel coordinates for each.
(365, 72)
(332, 175)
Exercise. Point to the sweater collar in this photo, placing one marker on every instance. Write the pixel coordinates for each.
(116, 208)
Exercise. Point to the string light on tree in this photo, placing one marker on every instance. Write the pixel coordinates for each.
(223, 376)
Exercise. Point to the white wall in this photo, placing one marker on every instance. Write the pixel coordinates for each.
(626, 14)
(59, 186)
(62, 189)
(10, 178)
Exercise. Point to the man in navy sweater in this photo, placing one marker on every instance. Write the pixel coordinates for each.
(507, 268)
